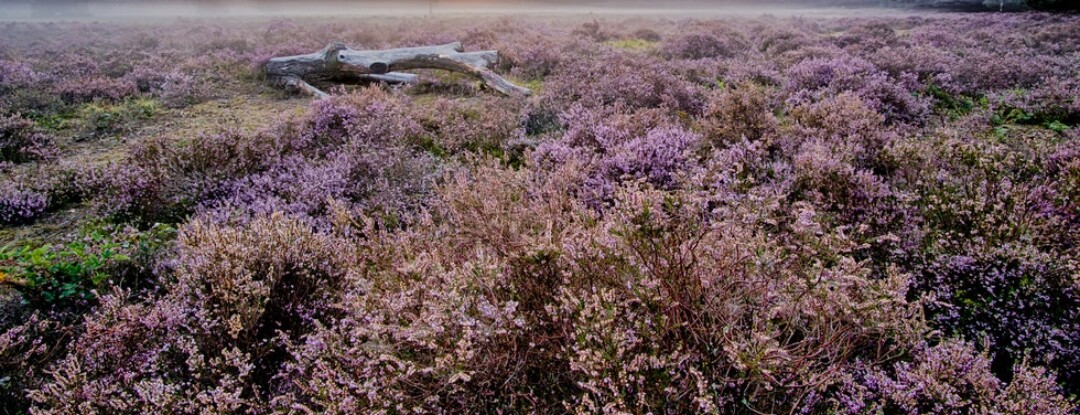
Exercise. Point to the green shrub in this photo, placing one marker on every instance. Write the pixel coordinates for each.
(98, 119)
(73, 271)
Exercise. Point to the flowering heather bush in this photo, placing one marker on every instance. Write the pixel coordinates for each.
(24, 346)
(1017, 300)
(215, 340)
(951, 378)
(15, 75)
(742, 112)
(532, 60)
(857, 197)
(452, 126)
(20, 141)
(654, 263)
(847, 127)
(623, 145)
(855, 215)
(78, 91)
(621, 79)
(658, 157)
(372, 180)
(354, 149)
(867, 37)
(20, 89)
(815, 79)
(179, 90)
(701, 46)
(19, 204)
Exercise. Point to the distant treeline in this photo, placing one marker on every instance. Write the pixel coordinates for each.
(1049, 5)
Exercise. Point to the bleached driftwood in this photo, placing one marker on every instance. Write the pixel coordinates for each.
(337, 63)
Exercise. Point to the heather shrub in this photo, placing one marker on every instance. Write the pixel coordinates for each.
(619, 145)
(21, 141)
(352, 148)
(215, 340)
(745, 111)
(950, 378)
(822, 176)
(178, 89)
(163, 179)
(388, 181)
(658, 157)
(979, 193)
(750, 69)
(15, 75)
(1017, 301)
(1055, 200)
(531, 60)
(648, 35)
(444, 331)
(815, 79)
(690, 326)
(928, 61)
(982, 71)
(80, 91)
(265, 278)
(594, 31)
(867, 37)
(1032, 391)
(420, 338)
(621, 78)
(21, 90)
(773, 40)
(371, 115)
(603, 127)
(845, 125)
(702, 46)
(147, 77)
(19, 204)
(454, 126)
(996, 247)
(27, 345)
(520, 323)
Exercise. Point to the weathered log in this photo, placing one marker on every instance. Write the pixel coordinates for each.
(337, 63)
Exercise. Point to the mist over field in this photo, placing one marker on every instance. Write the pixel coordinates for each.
(589, 207)
(119, 9)
(164, 9)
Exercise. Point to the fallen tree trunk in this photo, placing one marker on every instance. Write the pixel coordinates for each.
(337, 63)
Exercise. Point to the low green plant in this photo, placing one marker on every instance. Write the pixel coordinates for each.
(954, 106)
(57, 273)
(635, 45)
(54, 121)
(102, 118)
(73, 271)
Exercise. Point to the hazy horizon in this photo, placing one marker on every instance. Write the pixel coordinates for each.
(105, 10)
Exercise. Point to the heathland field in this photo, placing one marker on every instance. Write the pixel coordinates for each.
(750, 215)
